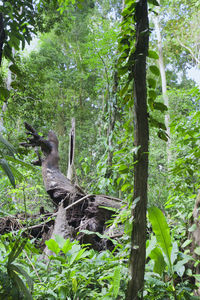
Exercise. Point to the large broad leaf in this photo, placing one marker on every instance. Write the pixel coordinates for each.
(160, 106)
(4, 165)
(153, 54)
(154, 69)
(161, 230)
(20, 270)
(53, 246)
(21, 285)
(8, 145)
(21, 162)
(159, 262)
(16, 250)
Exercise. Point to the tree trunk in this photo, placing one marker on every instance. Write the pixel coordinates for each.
(8, 86)
(112, 115)
(141, 131)
(163, 80)
(195, 236)
(70, 169)
(2, 36)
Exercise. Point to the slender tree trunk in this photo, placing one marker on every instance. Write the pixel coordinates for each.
(141, 128)
(4, 106)
(70, 170)
(111, 123)
(2, 36)
(163, 80)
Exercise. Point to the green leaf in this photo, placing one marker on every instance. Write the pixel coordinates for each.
(4, 93)
(8, 52)
(74, 284)
(197, 251)
(163, 135)
(116, 281)
(159, 262)
(153, 54)
(19, 176)
(21, 162)
(14, 69)
(74, 253)
(81, 254)
(179, 268)
(21, 271)
(150, 103)
(154, 2)
(186, 243)
(155, 123)
(123, 169)
(53, 246)
(122, 70)
(154, 69)
(123, 90)
(152, 94)
(160, 106)
(60, 240)
(16, 250)
(152, 83)
(161, 230)
(174, 252)
(8, 145)
(192, 228)
(125, 187)
(21, 286)
(67, 246)
(4, 165)
(150, 245)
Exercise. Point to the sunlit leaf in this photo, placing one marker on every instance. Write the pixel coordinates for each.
(53, 246)
(161, 230)
(153, 54)
(116, 281)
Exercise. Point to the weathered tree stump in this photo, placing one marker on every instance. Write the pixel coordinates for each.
(76, 210)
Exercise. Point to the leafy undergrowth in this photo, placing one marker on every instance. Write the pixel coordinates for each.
(75, 271)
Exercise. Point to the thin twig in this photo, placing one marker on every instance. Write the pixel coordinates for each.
(32, 266)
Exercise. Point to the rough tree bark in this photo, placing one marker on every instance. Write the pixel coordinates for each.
(141, 136)
(76, 210)
(195, 235)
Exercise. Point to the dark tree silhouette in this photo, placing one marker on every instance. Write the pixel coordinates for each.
(141, 137)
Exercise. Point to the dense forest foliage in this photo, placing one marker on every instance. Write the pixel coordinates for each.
(62, 59)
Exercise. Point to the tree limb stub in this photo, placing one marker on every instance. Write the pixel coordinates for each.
(56, 184)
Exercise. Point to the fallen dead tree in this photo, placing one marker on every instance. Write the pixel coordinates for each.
(75, 211)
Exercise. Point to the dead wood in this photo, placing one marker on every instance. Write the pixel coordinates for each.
(76, 210)
(9, 224)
